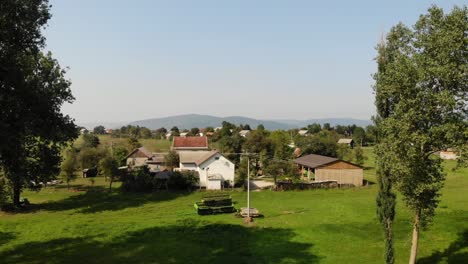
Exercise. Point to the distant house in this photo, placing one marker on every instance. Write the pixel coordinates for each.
(216, 129)
(189, 143)
(168, 134)
(109, 131)
(330, 169)
(347, 141)
(201, 133)
(449, 154)
(183, 134)
(84, 131)
(244, 133)
(214, 170)
(303, 132)
(141, 157)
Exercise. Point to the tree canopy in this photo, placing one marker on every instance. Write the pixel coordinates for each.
(33, 88)
(421, 90)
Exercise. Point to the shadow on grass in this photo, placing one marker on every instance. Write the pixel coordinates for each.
(98, 199)
(5, 237)
(451, 254)
(187, 241)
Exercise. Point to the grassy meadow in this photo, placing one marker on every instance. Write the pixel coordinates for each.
(89, 224)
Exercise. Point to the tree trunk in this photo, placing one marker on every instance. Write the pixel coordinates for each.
(16, 194)
(110, 184)
(389, 254)
(414, 243)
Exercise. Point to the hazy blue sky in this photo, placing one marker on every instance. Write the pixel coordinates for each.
(131, 60)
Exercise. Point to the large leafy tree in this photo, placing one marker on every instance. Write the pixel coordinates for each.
(421, 90)
(32, 90)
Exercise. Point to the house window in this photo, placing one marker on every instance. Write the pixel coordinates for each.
(217, 158)
(226, 163)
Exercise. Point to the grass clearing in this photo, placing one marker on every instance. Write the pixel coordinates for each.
(318, 226)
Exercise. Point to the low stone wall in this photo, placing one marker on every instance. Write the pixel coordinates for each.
(289, 185)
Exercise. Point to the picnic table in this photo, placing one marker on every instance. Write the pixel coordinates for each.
(244, 212)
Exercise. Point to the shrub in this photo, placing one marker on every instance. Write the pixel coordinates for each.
(184, 180)
(138, 180)
(141, 180)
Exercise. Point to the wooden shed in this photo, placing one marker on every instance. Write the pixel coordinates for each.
(324, 168)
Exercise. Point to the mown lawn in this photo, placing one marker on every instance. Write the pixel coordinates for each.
(89, 225)
(153, 145)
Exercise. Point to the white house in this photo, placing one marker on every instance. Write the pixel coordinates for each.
(168, 134)
(183, 134)
(84, 131)
(213, 168)
(244, 133)
(448, 154)
(303, 132)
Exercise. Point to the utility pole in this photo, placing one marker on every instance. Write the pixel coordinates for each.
(248, 188)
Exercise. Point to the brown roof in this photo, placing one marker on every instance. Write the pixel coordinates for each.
(190, 142)
(140, 153)
(313, 160)
(197, 157)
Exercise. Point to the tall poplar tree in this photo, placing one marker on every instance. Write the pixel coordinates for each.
(421, 90)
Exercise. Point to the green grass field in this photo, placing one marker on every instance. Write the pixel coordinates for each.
(89, 225)
(153, 145)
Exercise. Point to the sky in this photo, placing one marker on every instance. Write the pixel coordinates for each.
(272, 59)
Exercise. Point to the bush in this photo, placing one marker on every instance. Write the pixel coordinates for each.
(185, 180)
(138, 180)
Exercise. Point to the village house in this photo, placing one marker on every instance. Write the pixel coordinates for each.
(323, 168)
(244, 133)
(183, 134)
(168, 134)
(84, 131)
(215, 170)
(448, 154)
(303, 132)
(346, 141)
(142, 157)
(189, 143)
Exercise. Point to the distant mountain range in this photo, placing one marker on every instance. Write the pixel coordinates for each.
(201, 121)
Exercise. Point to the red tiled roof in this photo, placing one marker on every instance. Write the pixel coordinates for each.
(190, 142)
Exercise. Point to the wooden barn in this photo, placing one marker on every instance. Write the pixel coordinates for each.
(323, 168)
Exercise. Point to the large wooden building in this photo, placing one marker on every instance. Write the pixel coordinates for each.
(323, 168)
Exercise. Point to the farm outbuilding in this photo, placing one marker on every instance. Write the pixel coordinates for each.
(323, 168)
(346, 141)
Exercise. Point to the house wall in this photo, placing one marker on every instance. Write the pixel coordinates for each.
(213, 185)
(188, 166)
(342, 176)
(448, 155)
(221, 166)
(136, 161)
